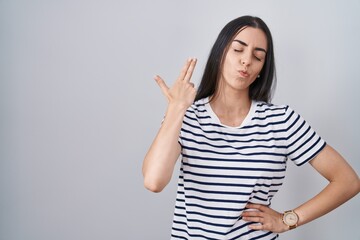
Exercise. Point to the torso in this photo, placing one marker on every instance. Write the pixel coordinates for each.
(223, 168)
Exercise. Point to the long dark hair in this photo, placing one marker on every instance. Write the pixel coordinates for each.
(262, 88)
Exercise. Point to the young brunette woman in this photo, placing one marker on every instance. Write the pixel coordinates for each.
(234, 145)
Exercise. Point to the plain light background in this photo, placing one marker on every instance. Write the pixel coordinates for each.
(79, 107)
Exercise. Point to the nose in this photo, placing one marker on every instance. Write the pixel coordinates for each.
(245, 59)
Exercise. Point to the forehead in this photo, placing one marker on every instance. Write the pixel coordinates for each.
(252, 36)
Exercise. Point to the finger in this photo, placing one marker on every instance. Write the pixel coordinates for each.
(254, 219)
(252, 214)
(256, 227)
(184, 70)
(190, 70)
(164, 88)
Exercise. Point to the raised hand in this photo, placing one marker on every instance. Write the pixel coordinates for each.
(183, 92)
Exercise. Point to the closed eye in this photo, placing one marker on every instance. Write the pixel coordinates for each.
(257, 58)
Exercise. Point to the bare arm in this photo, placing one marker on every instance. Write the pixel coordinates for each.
(160, 159)
(343, 185)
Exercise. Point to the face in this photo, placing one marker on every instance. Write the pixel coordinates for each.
(244, 59)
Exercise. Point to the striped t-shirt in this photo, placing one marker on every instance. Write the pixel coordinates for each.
(223, 168)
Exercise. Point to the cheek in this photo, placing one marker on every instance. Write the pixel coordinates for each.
(226, 65)
(230, 62)
(259, 67)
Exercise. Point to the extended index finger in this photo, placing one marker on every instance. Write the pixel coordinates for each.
(185, 69)
(190, 69)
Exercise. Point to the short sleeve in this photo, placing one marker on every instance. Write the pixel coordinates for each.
(303, 143)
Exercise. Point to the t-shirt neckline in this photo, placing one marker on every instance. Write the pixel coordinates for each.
(216, 120)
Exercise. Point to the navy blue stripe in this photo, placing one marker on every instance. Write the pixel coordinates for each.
(204, 124)
(178, 207)
(220, 233)
(199, 228)
(277, 235)
(203, 222)
(198, 104)
(235, 141)
(307, 150)
(248, 134)
(261, 199)
(301, 145)
(241, 227)
(235, 153)
(217, 192)
(268, 116)
(233, 160)
(273, 191)
(298, 129)
(232, 184)
(271, 123)
(234, 168)
(219, 184)
(231, 176)
(233, 147)
(211, 216)
(203, 117)
(213, 200)
(176, 236)
(193, 235)
(302, 135)
(260, 191)
(261, 236)
(260, 104)
(313, 155)
(197, 110)
(271, 109)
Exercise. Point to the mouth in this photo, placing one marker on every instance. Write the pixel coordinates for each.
(244, 74)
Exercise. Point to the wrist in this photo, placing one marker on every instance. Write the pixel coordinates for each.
(290, 219)
(176, 107)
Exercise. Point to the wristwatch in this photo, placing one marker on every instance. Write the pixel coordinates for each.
(290, 218)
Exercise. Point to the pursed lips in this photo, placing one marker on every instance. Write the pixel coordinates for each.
(243, 73)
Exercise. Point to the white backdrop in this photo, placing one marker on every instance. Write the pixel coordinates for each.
(79, 107)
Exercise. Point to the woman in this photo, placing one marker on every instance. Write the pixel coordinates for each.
(234, 145)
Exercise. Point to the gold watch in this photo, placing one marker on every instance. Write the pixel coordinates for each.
(290, 219)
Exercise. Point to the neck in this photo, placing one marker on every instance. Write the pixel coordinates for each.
(231, 103)
(231, 107)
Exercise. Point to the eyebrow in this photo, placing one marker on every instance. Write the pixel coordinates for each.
(257, 48)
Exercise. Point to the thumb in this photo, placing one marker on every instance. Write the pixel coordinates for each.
(164, 88)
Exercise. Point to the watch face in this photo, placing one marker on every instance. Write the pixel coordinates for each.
(290, 218)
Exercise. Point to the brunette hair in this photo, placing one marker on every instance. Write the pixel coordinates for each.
(262, 88)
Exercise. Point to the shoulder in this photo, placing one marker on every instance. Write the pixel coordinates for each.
(198, 106)
(274, 113)
(263, 109)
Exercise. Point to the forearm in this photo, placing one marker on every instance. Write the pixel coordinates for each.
(331, 197)
(343, 185)
(160, 160)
